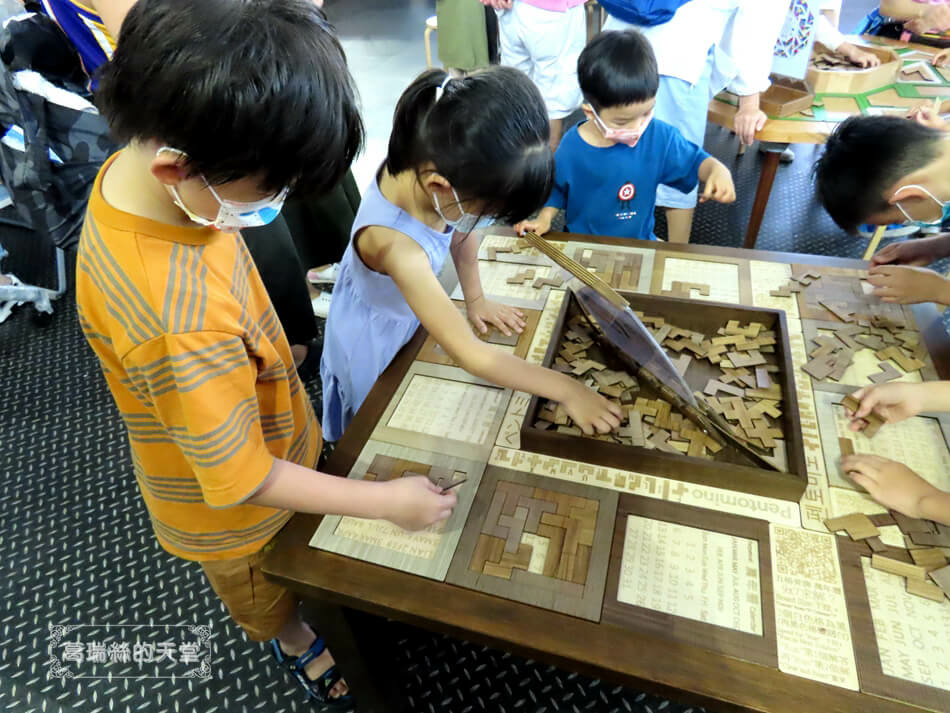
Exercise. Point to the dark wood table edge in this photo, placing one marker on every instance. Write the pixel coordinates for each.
(799, 694)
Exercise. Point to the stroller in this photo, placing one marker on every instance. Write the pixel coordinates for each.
(52, 143)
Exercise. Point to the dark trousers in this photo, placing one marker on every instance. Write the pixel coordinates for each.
(307, 233)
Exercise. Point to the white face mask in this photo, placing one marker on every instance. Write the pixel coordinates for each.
(465, 223)
(232, 215)
(944, 207)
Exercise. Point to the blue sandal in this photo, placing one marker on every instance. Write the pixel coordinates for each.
(318, 689)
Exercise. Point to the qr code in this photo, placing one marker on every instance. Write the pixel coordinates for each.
(805, 554)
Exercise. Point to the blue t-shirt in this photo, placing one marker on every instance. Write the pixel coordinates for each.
(612, 190)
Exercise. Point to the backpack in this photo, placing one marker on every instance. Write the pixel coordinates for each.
(645, 13)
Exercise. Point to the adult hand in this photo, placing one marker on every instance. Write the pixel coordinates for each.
(914, 252)
(892, 484)
(857, 56)
(935, 18)
(747, 123)
(906, 285)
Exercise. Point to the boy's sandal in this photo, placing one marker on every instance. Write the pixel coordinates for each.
(318, 689)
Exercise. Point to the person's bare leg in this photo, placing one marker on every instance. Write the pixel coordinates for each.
(679, 224)
(557, 127)
(295, 638)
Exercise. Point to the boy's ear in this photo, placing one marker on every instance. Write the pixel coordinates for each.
(167, 167)
(588, 111)
(905, 192)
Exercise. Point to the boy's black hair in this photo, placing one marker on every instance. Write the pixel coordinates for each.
(866, 155)
(244, 87)
(618, 68)
(487, 135)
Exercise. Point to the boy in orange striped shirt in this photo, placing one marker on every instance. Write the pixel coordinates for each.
(224, 105)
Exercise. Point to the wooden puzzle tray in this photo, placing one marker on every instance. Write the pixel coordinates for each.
(788, 629)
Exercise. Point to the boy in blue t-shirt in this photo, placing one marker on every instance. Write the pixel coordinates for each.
(608, 167)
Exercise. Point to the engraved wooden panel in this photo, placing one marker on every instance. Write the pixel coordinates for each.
(919, 442)
(902, 641)
(537, 541)
(626, 269)
(728, 278)
(811, 617)
(495, 278)
(766, 277)
(692, 575)
(517, 344)
(652, 486)
(442, 409)
(426, 552)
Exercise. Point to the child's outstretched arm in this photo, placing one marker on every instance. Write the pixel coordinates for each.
(406, 263)
(897, 487)
(481, 311)
(413, 502)
(718, 180)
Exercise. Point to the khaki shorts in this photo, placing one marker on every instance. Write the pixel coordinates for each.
(257, 604)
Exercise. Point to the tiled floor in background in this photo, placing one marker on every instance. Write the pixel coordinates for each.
(77, 544)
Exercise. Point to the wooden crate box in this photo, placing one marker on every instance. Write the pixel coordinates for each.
(729, 468)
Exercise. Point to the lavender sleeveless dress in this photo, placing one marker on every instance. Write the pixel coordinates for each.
(369, 320)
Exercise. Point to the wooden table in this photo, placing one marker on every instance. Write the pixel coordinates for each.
(345, 591)
(794, 130)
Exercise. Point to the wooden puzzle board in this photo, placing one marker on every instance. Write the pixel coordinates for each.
(864, 363)
(722, 277)
(625, 269)
(516, 344)
(443, 409)
(811, 616)
(706, 576)
(537, 541)
(686, 574)
(495, 285)
(757, 507)
(768, 276)
(845, 501)
(517, 252)
(426, 552)
(919, 442)
(913, 633)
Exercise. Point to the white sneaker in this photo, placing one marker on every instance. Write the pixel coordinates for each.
(321, 304)
(326, 276)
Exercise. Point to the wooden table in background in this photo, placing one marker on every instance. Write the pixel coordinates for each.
(347, 594)
(794, 130)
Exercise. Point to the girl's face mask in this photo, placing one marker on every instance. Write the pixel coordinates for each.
(630, 137)
(466, 222)
(232, 215)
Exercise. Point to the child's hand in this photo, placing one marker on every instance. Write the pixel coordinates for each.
(719, 186)
(940, 59)
(926, 115)
(589, 410)
(913, 252)
(747, 123)
(539, 225)
(482, 312)
(893, 402)
(892, 484)
(903, 284)
(857, 56)
(416, 502)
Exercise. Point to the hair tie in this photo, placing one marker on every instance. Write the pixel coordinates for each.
(441, 88)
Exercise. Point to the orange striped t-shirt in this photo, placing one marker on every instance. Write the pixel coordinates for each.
(201, 372)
